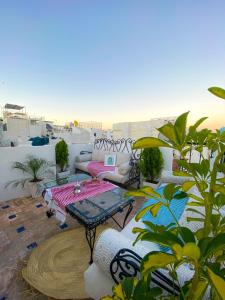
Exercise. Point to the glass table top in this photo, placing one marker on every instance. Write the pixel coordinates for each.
(95, 208)
(70, 178)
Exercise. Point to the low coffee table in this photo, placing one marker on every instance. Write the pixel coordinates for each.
(96, 210)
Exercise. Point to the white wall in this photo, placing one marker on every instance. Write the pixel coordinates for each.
(74, 150)
(8, 155)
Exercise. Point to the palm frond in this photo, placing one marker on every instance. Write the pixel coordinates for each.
(17, 183)
(21, 166)
(37, 168)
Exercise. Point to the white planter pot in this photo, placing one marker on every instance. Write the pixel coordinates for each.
(63, 174)
(153, 185)
(34, 189)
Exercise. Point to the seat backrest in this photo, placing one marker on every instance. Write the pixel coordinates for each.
(167, 154)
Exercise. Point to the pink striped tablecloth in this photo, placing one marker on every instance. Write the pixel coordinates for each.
(65, 195)
(96, 168)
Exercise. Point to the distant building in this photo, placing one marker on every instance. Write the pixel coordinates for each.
(136, 130)
(90, 124)
(17, 126)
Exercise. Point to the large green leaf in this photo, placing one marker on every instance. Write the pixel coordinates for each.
(154, 208)
(155, 260)
(217, 91)
(146, 191)
(193, 128)
(203, 243)
(200, 200)
(149, 142)
(150, 191)
(186, 186)
(200, 289)
(219, 188)
(196, 211)
(186, 234)
(181, 173)
(192, 251)
(216, 244)
(141, 213)
(168, 131)
(217, 282)
(165, 238)
(180, 127)
(169, 191)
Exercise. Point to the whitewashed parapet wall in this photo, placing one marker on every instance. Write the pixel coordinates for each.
(8, 155)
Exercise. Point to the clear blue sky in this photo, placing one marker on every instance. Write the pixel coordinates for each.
(113, 60)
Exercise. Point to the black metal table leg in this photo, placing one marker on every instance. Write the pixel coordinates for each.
(90, 236)
(126, 216)
(50, 213)
(128, 213)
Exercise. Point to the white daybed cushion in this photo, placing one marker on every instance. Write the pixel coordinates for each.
(82, 165)
(110, 176)
(107, 246)
(122, 158)
(83, 157)
(99, 155)
(168, 177)
(97, 284)
(124, 168)
(116, 177)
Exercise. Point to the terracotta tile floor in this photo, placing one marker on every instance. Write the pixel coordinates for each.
(23, 226)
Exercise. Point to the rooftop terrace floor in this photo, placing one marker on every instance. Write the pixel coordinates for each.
(23, 226)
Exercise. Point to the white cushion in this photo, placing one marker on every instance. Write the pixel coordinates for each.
(167, 154)
(124, 168)
(168, 177)
(99, 155)
(83, 157)
(82, 165)
(116, 177)
(108, 244)
(122, 158)
(97, 284)
(95, 155)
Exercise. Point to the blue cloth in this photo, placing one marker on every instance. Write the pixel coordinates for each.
(164, 217)
(39, 141)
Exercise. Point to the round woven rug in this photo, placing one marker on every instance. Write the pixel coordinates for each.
(55, 268)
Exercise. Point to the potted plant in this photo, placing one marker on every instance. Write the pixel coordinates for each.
(61, 156)
(37, 169)
(151, 163)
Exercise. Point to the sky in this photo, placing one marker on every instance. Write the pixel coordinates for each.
(113, 60)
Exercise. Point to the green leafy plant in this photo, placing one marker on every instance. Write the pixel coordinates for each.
(36, 168)
(202, 249)
(61, 154)
(151, 163)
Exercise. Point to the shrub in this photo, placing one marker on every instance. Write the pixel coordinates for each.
(151, 163)
(61, 155)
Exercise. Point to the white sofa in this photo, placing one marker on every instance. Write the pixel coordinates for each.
(122, 168)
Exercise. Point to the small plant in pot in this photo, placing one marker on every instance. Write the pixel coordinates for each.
(37, 170)
(61, 156)
(151, 163)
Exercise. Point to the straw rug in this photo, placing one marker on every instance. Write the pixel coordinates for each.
(55, 268)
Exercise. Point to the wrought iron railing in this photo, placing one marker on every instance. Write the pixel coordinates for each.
(126, 263)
